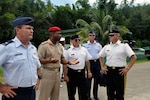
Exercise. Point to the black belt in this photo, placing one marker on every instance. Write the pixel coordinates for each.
(76, 70)
(24, 88)
(96, 60)
(114, 67)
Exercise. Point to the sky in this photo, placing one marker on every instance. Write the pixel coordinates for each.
(63, 2)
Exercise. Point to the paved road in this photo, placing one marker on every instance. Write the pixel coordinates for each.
(137, 88)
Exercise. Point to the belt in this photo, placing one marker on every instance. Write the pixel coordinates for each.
(95, 60)
(76, 70)
(26, 87)
(52, 69)
(114, 67)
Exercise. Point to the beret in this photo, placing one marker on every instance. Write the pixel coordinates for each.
(114, 31)
(54, 29)
(23, 21)
(74, 36)
(91, 32)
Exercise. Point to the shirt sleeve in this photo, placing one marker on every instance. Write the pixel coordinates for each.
(88, 56)
(128, 50)
(102, 52)
(41, 51)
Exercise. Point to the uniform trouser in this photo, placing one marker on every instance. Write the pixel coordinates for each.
(77, 79)
(95, 69)
(27, 93)
(50, 85)
(115, 84)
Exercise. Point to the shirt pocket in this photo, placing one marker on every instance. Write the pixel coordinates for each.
(35, 59)
(17, 60)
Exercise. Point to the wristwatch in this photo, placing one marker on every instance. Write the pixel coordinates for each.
(69, 63)
(39, 76)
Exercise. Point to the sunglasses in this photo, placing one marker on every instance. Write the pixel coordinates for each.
(111, 35)
(77, 40)
(91, 35)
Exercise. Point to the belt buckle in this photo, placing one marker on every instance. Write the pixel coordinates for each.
(56, 70)
(113, 67)
(94, 60)
(79, 70)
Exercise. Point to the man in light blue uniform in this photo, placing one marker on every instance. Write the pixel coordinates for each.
(93, 48)
(20, 63)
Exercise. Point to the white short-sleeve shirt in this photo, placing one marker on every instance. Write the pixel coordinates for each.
(116, 54)
(79, 53)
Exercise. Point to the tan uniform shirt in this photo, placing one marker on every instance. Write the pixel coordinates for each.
(48, 50)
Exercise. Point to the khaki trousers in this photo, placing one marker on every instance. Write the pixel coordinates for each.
(50, 85)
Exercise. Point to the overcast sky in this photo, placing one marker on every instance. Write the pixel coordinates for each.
(63, 2)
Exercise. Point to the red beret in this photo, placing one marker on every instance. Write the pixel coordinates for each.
(54, 29)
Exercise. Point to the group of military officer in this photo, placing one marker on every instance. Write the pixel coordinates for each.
(26, 69)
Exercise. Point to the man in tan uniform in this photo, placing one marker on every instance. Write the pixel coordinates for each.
(50, 54)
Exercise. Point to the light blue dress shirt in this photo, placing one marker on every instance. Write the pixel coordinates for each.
(19, 64)
(93, 49)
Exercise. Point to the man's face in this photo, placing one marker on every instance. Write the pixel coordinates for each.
(25, 32)
(113, 37)
(76, 42)
(57, 35)
(91, 36)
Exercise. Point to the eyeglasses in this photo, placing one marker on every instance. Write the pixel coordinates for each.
(91, 35)
(111, 35)
(77, 40)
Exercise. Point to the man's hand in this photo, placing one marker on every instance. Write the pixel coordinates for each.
(74, 62)
(89, 74)
(37, 84)
(66, 78)
(123, 71)
(104, 70)
(54, 60)
(7, 91)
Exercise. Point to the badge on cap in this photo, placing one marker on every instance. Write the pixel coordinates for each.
(74, 36)
(113, 31)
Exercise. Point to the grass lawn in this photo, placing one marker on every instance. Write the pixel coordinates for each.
(2, 78)
(1, 75)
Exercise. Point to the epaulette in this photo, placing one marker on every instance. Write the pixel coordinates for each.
(46, 42)
(66, 48)
(8, 42)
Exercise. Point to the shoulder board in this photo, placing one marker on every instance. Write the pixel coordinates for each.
(46, 42)
(8, 42)
(67, 48)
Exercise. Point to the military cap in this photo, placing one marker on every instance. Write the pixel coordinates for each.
(91, 32)
(62, 39)
(23, 21)
(54, 29)
(74, 36)
(114, 31)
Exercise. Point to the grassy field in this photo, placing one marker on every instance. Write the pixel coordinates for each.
(1, 75)
(2, 78)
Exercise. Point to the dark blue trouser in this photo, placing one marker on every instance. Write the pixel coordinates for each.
(115, 84)
(95, 69)
(22, 94)
(76, 80)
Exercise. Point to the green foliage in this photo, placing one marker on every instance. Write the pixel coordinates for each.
(106, 13)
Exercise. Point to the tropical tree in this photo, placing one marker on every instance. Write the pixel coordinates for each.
(85, 28)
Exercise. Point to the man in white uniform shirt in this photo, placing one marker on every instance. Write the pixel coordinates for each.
(116, 54)
(76, 73)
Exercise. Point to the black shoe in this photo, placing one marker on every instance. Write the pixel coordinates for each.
(96, 98)
(89, 99)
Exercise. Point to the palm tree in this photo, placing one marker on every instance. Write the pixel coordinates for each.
(85, 29)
